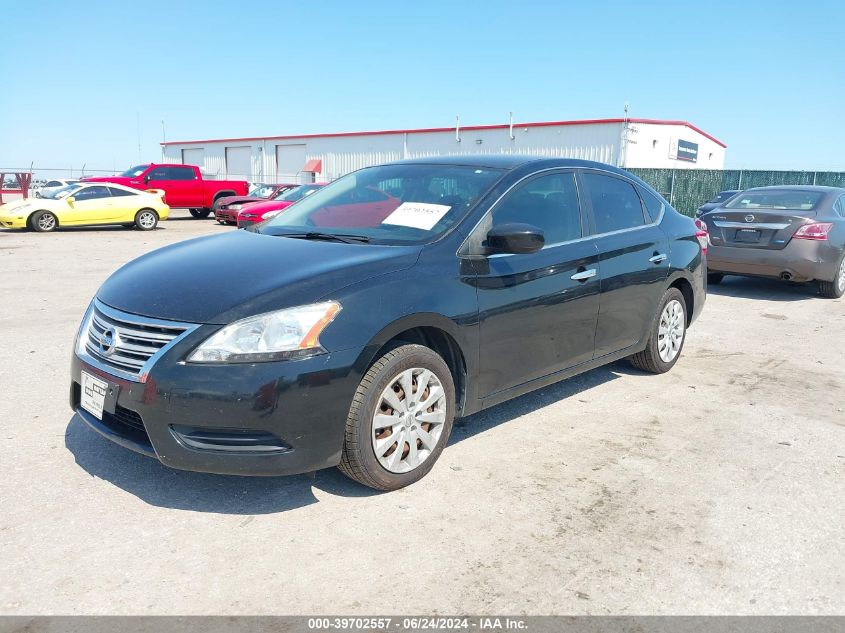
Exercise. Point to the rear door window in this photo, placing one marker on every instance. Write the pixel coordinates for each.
(616, 205)
(653, 204)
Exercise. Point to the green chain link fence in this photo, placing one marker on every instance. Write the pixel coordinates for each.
(688, 189)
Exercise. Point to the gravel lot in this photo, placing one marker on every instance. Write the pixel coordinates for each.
(717, 488)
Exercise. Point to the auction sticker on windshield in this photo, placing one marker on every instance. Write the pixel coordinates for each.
(93, 395)
(417, 215)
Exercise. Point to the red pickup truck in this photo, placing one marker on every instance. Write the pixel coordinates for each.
(183, 185)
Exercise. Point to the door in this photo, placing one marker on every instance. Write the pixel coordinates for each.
(91, 205)
(290, 159)
(193, 156)
(634, 260)
(239, 163)
(181, 186)
(538, 310)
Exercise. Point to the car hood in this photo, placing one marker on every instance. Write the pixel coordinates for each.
(238, 200)
(267, 205)
(222, 278)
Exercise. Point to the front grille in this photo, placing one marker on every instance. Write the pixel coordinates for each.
(127, 342)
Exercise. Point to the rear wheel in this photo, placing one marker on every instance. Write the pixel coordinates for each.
(836, 288)
(400, 419)
(43, 222)
(668, 333)
(714, 278)
(146, 219)
(200, 213)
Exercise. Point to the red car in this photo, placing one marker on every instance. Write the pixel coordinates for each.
(183, 186)
(260, 211)
(226, 209)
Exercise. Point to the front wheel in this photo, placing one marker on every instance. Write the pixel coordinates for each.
(146, 219)
(668, 333)
(43, 222)
(200, 213)
(400, 419)
(836, 288)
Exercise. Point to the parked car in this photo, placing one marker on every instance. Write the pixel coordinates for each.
(794, 233)
(259, 211)
(716, 201)
(360, 342)
(183, 186)
(51, 186)
(226, 209)
(87, 204)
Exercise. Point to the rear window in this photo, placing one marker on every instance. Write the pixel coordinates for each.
(784, 199)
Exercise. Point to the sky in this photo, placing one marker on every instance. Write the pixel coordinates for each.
(81, 80)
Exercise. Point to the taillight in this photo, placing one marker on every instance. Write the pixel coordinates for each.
(702, 234)
(814, 231)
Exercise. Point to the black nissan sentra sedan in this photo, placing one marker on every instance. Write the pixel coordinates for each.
(389, 303)
(794, 233)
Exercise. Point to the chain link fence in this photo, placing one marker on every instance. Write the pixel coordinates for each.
(688, 189)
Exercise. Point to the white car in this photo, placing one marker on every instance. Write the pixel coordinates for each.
(52, 186)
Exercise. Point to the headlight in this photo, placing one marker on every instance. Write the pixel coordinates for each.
(235, 206)
(282, 335)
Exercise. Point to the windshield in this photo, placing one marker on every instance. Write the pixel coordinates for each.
(262, 191)
(783, 199)
(297, 193)
(61, 192)
(282, 191)
(391, 204)
(134, 171)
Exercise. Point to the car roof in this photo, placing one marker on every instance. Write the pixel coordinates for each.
(507, 161)
(817, 188)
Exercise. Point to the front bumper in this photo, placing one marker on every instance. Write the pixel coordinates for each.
(277, 418)
(226, 215)
(13, 221)
(803, 260)
(244, 222)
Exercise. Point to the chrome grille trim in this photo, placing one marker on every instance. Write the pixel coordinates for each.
(775, 226)
(139, 341)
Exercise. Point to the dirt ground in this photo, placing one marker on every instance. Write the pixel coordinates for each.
(714, 489)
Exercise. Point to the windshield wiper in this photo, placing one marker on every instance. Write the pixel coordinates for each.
(329, 237)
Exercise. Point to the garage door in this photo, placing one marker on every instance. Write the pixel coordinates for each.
(239, 163)
(290, 159)
(194, 156)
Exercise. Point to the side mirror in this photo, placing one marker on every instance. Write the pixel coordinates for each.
(147, 179)
(70, 200)
(515, 238)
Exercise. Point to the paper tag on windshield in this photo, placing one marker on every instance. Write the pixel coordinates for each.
(417, 215)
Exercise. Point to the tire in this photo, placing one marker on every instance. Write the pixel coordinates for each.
(656, 358)
(200, 213)
(43, 222)
(146, 220)
(714, 279)
(360, 459)
(836, 288)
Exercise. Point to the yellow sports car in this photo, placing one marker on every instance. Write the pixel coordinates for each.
(84, 204)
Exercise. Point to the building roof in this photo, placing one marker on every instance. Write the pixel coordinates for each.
(467, 128)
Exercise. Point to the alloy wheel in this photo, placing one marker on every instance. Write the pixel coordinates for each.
(147, 220)
(841, 279)
(46, 222)
(409, 420)
(670, 331)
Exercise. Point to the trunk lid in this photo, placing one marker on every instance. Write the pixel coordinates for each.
(758, 228)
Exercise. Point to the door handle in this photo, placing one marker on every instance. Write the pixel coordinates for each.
(659, 257)
(584, 275)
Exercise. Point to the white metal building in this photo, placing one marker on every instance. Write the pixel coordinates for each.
(325, 157)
